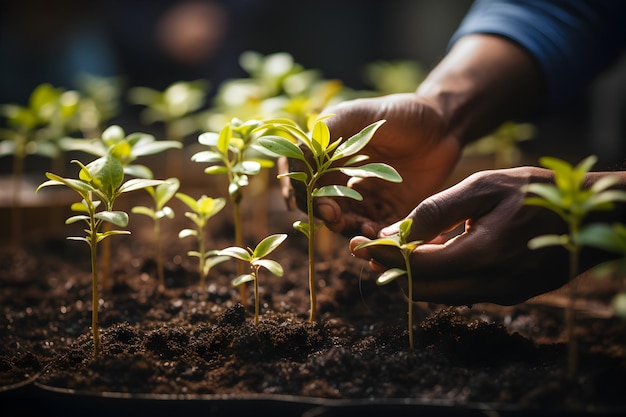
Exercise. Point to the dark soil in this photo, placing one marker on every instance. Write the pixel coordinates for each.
(202, 343)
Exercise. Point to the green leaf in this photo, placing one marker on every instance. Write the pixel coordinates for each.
(602, 236)
(144, 210)
(155, 147)
(186, 233)
(241, 279)
(383, 241)
(224, 139)
(357, 142)
(247, 167)
(321, 134)
(188, 200)
(207, 157)
(139, 171)
(378, 170)
(209, 139)
(74, 219)
(298, 176)
(274, 267)
(389, 275)
(548, 192)
(165, 191)
(118, 218)
(108, 233)
(138, 184)
(337, 191)
(216, 170)
(547, 240)
(302, 227)
(236, 252)
(281, 147)
(268, 245)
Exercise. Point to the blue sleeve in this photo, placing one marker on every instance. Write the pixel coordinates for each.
(571, 40)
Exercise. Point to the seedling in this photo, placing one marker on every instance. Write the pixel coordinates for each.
(203, 209)
(174, 107)
(35, 129)
(572, 202)
(326, 156)
(99, 183)
(231, 152)
(161, 195)
(256, 259)
(400, 241)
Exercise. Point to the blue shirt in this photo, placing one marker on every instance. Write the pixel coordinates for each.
(572, 40)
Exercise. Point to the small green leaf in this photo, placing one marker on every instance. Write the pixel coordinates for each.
(281, 147)
(378, 170)
(302, 227)
(138, 184)
(268, 245)
(390, 275)
(186, 233)
(118, 218)
(298, 176)
(274, 267)
(236, 252)
(357, 142)
(547, 240)
(74, 219)
(337, 191)
(241, 279)
(385, 241)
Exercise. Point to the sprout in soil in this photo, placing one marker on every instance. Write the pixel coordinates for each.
(572, 201)
(161, 195)
(232, 152)
(99, 183)
(202, 210)
(256, 259)
(400, 241)
(127, 148)
(326, 156)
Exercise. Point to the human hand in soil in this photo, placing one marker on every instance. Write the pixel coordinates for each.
(489, 261)
(412, 140)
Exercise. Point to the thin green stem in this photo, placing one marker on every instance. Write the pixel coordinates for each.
(159, 258)
(311, 255)
(201, 255)
(256, 295)
(95, 329)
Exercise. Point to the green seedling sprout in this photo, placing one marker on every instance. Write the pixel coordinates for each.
(175, 107)
(99, 184)
(127, 148)
(326, 156)
(161, 195)
(35, 129)
(202, 210)
(256, 259)
(400, 241)
(572, 202)
(231, 153)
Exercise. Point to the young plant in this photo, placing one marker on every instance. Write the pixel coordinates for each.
(174, 107)
(35, 129)
(256, 259)
(203, 209)
(231, 152)
(161, 195)
(326, 156)
(400, 241)
(572, 201)
(99, 184)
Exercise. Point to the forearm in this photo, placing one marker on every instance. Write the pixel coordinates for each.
(482, 82)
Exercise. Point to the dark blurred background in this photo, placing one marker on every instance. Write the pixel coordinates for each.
(156, 42)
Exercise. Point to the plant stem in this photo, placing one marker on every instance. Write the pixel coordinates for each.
(256, 295)
(201, 259)
(311, 255)
(409, 274)
(95, 329)
(159, 258)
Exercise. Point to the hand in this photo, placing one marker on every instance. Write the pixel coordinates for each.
(490, 260)
(412, 140)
